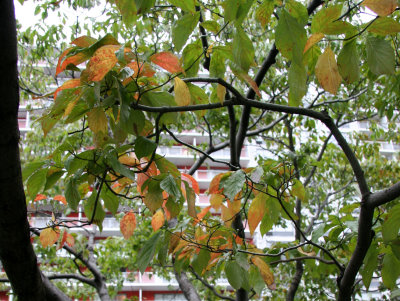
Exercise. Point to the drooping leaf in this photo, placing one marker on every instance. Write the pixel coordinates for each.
(167, 61)
(216, 201)
(256, 280)
(290, 37)
(48, 237)
(71, 83)
(72, 194)
(234, 274)
(325, 17)
(170, 186)
(297, 83)
(265, 271)
(391, 225)
(157, 221)
(327, 71)
(182, 92)
(264, 12)
(381, 7)
(271, 216)
(153, 198)
(146, 254)
(97, 120)
(192, 182)
(36, 182)
(127, 224)
(211, 25)
(380, 56)
(144, 147)
(186, 5)
(298, 190)
(94, 210)
(256, 211)
(349, 63)
(84, 41)
(182, 29)
(242, 49)
(390, 270)
(384, 26)
(111, 201)
(190, 58)
(128, 11)
(234, 184)
(221, 92)
(370, 263)
(201, 260)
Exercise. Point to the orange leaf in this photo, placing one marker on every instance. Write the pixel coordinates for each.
(103, 60)
(214, 185)
(74, 60)
(141, 69)
(192, 182)
(312, 40)
(227, 215)
(70, 240)
(157, 221)
(48, 237)
(63, 240)
(265, 272)
(84, 41)
(40, 197)
(327, 71)
(256, 212)
(234, 206)
(128, 224)
(167, 61)
(72, 83)
(61, 199)
(202, 213)
(381, 7)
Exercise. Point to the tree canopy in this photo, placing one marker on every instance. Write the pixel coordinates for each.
(315, 83)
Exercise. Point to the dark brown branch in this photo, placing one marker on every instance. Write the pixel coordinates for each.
(72, 276)
(303, 258)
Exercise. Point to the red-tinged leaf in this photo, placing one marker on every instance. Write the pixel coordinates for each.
(167, 61)
(214, 185)
(84, 41)
(247, 78)
(72, 83)
(216, 201)
(192, 182)
(63, 239)
(182, 93)
(48, 237)
(158, 219)
(141, 69)
(202, 214)
(256, 211)
(327, 71)
(103, 60)
(312, 40)
(60, 59)
(128, 224)
(40, 197)
(381, 7)
(61, 199)
(265, 272)
(70, 241)
(74, 60)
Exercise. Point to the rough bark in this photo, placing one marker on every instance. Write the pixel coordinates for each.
(187, 287)
(16, 252)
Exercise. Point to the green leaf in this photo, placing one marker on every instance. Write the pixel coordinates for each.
(391, 226)
(212, 26)
(234, 184)
(384, 26)
(94, 209)
(349, 62)
(30, 168)
(198, 95)
(390, 270)
(72, 194)
(128, 11)
(52, 179)
(36, 182)
(256, 280)
(166, 166)
(370, 264)
(201, 260)
(325, 17)
(146, 254)
(170, 186)
(298, 11)
(144, 147)
(186, 5)
(153, 199)
(271, 216)
(380, 56)
(217, 64)
(72, 164)
(297, 83)
(242, 49)
(264, 12)
(161, 99)
(298, 190)
(290, 37)
(234, 274)
(182, 29)
(190, 57)
(144, 6)
(118, 167)
(236, 10)
(111, 201)
(318, 232)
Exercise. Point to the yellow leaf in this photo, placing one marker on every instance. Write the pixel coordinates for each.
(48, 237)
(216, 201)
(69, 84)
(312, 253)
(97, 120)
(265, 271)
(327, 71)
(221, 91)
(312, 40)
(182, 93)
(157, 221)
(128, 160)
(72, 104)
(381, 7)
(256, 211)
(128, 224)
(103, 60)
(227, 215)
(202, 213)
